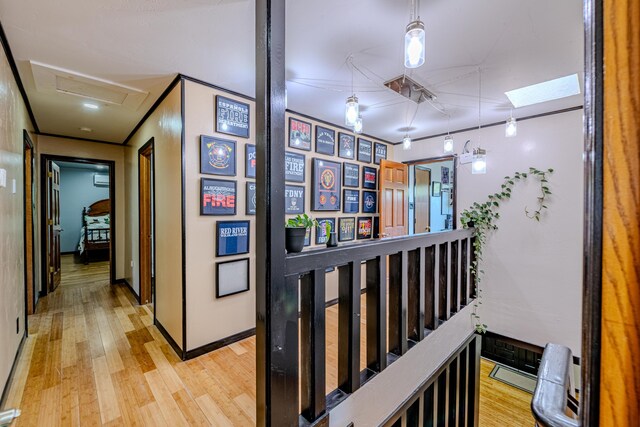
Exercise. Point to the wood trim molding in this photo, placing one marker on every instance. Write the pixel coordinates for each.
(620, 378)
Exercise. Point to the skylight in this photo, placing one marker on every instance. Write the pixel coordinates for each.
(545, 91)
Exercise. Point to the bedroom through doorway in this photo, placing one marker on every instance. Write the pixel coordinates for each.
(78, 226)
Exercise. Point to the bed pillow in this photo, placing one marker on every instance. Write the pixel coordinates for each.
(97, 220)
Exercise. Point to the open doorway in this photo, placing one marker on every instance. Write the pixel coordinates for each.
(29, 216)
(78, 231)
(432, 201)
(146, 222)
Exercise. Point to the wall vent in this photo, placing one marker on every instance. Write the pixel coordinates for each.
(410, 89)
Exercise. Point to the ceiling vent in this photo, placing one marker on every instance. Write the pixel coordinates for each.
(50, 79)
(410, 89)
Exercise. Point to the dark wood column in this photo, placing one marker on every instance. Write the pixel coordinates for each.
(276, 298)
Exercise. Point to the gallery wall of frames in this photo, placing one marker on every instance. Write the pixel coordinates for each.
(331, 174)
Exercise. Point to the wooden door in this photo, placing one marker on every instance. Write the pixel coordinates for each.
(28, 224)
(394, 199)
(53, 226)
(144, 185)
(422, 201)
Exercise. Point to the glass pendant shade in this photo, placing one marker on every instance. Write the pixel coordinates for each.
(351, 111)
(511, 129)
(406, 143)
(414, 44)
(448, 144)
(357, 126)
(479, 163)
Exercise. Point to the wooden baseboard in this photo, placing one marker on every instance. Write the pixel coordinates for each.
(170, 339)
(219, 344)
(128, 285)
(7, 385)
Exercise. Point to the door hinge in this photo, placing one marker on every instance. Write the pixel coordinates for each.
(51, 270)
(50, 222)
(50, 174)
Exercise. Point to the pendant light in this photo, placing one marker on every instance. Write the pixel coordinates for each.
(357, 126)
(414, 39)
(447, 147)
(352, 109)
(406, 142)
(511, 128)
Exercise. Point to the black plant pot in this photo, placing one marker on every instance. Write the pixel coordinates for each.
(294, 238)
(332, 241)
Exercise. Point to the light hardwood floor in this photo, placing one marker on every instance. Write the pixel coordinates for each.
(93, 357)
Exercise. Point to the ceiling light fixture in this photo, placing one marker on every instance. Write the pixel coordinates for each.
(479, 163)
(357, 126)
(545, 91)
(90, 106)
(406, 142)
(414, 39)
(352, 109)
(511, 128)
(448, 144)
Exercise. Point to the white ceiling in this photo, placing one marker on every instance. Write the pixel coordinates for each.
(85, 166)
(142, 44)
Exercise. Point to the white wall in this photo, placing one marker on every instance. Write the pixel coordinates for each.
(533, 281)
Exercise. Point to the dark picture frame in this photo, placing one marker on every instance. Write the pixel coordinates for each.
(380, 152)
(369, 202)
(232, 117)
(300, 134)
(444, 175)
(366, 232)
(217, 156)
(250, 198)
(350, 201)
(292, 163)
(321, 236)
(365, 148)
(346, 229)
(222, 274)
(325, 140)
(369, 178)
(294, 196)
(250, 161)
(350, 175)
(224, 202)
(326, 185)
(233, 237)
(445, 201)
(346, 146)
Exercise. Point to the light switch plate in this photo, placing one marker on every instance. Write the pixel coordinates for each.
(13, 186)
(465, 158)
(3, 177)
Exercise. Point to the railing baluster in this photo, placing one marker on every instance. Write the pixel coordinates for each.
(454, 267)
(473, 357)
(464, 272)
(398, 302)
(312, 344)
(349, 327)
(443, 276)
(377, 314)
(428, 407)
(463, 388)
(431, 295)
(453, 391)
(441, 416)
(416, 295)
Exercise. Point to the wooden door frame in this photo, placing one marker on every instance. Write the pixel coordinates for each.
(149, 145)
(429, 160)
(28, 146)
(414, 196)
(111, 164)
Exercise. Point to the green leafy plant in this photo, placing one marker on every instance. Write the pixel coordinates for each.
(301, 221)
(483, 217)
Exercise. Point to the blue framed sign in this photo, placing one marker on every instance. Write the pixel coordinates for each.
(346, 146)
(325, 141)
(232, 238)
(369, 201)
(250, 161)
(217, 197)
(232, 117)
(351, 201)
(293, 199)
(351, 176)
(217, 156)
(326, 185)
(380, 152)
(321, 229)
(250, 202)
(364, 150)
(294, 167)
(369, 177)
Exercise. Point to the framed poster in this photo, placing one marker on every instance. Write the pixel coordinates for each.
(446, 202)
(346, 229)
(369, 202)
(351, 201)
(444, 175)
(250, 161)
(369, 178)
(232, 117)
(380, 152)
(364, 150)
(376, 227)
(293, 199)
(217, 197)
(232, 277)
(325, 141)
(217, 156)
(299, 134)
(250, 202)
(321, 229)
(294, 166)
(307, 237)
(351, 175)
(232, 238)
(346, 146)
(436, 189)
(365, 227)
(326, 185)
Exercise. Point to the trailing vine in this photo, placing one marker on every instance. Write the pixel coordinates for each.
(483, 217)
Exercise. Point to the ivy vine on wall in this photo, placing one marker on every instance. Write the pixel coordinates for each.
(483, 217)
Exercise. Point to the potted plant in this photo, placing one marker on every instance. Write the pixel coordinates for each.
(332, 240)
(295, 231)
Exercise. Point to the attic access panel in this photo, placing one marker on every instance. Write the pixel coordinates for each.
(410, 89)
